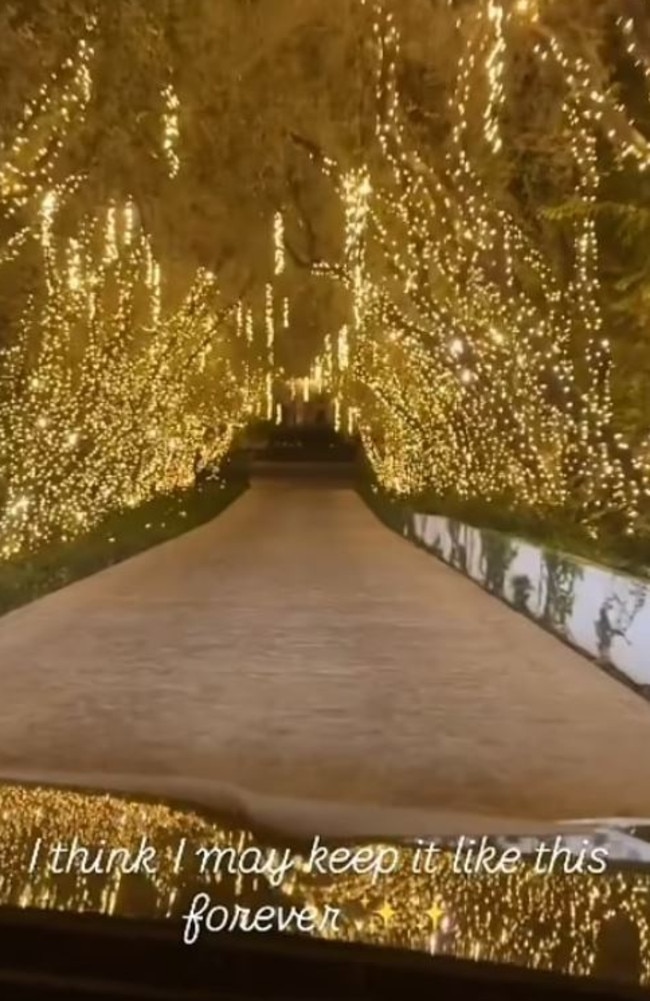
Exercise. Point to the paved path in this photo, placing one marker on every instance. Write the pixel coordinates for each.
(296, 646)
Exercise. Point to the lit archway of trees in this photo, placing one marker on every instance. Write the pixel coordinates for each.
(476, 363)
(450, 179)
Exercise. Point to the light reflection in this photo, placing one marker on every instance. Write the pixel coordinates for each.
(541, 921)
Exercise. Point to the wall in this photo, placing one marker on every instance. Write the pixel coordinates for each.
(603, 612)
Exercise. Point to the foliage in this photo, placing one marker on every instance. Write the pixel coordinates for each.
(480, 362)
(464, 200)
(246, 75)
(123, 534)
(104, 401)
(555, 531)
(500, 521)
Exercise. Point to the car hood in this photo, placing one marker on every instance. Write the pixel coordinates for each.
(575, 922)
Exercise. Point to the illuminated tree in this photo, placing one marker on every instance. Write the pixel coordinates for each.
(386, 161)
(480, 360)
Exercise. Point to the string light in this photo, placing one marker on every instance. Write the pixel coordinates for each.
(123, 420)
(99, 410)
(27, 165)
(278, 235)
(468, 365)
(171, 130)
(549, 921)
(495, 65)
(482, 391)
(269, 314)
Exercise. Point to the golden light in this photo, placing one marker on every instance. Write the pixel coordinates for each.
(171, 130)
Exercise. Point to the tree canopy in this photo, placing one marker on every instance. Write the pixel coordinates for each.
(441, 207)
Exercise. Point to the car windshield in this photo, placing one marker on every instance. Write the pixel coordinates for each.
(325, 472)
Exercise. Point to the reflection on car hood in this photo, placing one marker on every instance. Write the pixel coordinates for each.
(578, 924)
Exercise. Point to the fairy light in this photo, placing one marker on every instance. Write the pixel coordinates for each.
(343, 349)
(477, 393)
(627, 27)
(269, 396)
(279, 248)
(15, 244)
(269, 321)
(110, 236)
(171, 130)
(549, 921)
(129, 223)
(74, 266)
(526, 8)
(598, 103)
(27, 165)
(156, 293)
(111, 409)
(48, 212)
(495, 69)
(455, 374)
